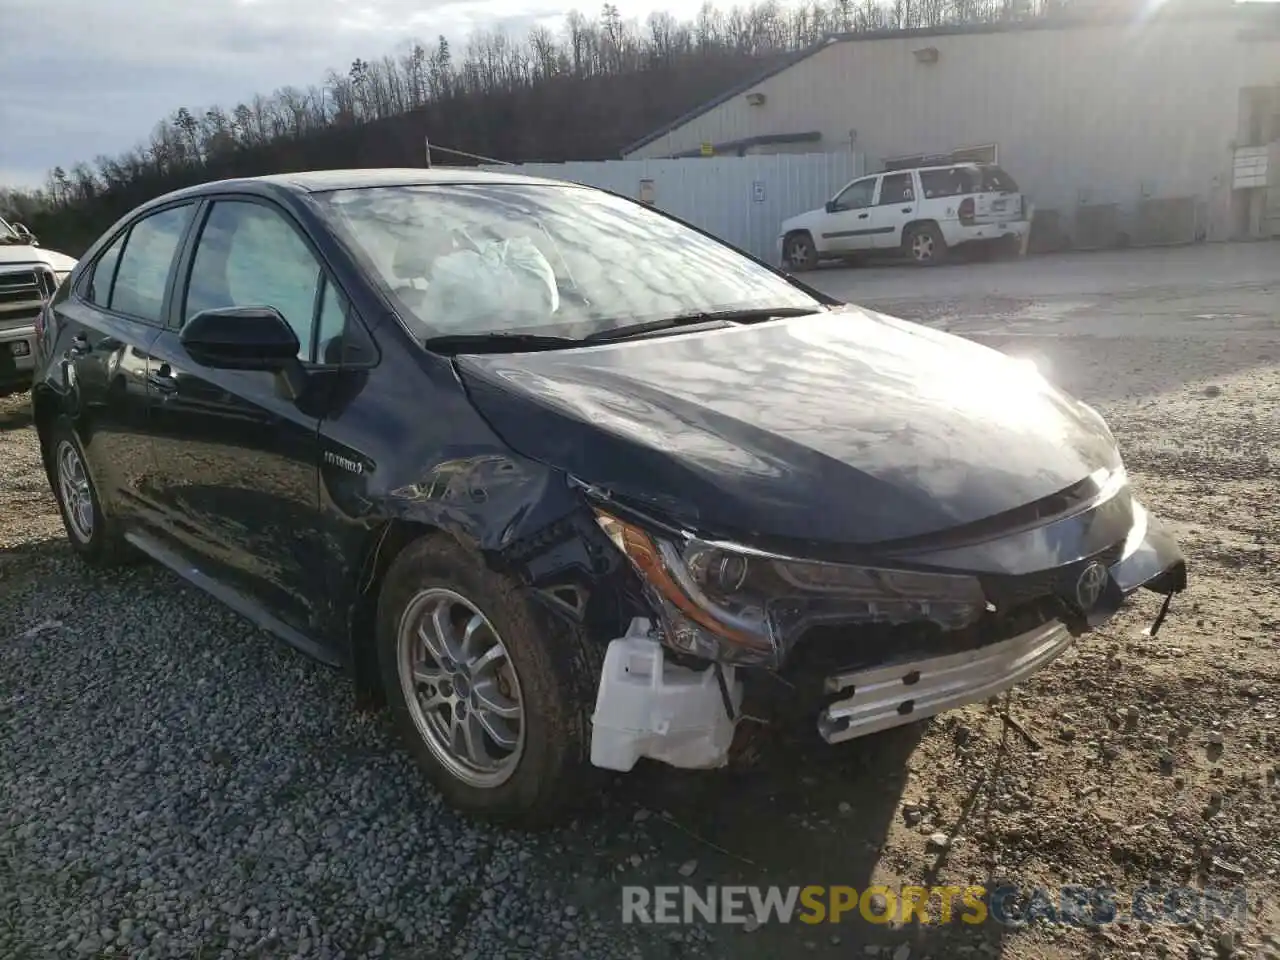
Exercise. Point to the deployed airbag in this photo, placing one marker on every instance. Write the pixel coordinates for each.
(498, 285)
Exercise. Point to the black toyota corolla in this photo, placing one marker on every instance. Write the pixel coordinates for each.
(565, 481)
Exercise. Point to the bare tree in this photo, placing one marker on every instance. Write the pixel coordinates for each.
(584, 92)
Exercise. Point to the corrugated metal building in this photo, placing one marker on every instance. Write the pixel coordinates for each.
(1117, 130)
(741, 200)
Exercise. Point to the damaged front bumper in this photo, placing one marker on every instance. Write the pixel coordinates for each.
(1151, 558)
(648, 705)
(889, 696)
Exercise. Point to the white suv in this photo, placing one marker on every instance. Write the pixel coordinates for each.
(922, 212)
(29, 274)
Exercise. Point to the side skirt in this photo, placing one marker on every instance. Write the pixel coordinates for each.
(237, 601)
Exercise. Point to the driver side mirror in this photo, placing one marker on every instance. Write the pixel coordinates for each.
(832, 206)
(241, 338)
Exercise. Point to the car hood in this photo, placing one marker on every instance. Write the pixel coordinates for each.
(22, 253)
(803, 221)
(845, 427)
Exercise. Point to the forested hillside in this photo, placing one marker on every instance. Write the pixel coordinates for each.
(582, 94)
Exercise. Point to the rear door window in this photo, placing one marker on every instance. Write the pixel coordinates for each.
(104, 274)
(896, 188)
(143, 272)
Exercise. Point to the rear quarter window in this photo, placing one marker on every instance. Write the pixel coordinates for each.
(995, 180)
(950, 182)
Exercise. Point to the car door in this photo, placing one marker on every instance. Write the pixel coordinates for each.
(104, 330)
(847, 226)
(894, 208)
(237, 451)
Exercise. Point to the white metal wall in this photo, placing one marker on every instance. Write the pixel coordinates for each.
(1082, 115)
(741, 200)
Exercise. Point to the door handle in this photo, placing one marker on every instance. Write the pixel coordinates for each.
(863, 216)
(163, 379)
(906, 209)
(79, 346)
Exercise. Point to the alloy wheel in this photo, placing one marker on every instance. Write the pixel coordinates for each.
(801, 254)
(922, 247)
(461, 687)
(77, 495)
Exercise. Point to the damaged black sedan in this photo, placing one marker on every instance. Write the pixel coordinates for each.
(565, 481)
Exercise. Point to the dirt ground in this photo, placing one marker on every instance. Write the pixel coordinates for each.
(1146, 761)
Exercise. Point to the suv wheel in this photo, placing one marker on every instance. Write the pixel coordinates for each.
(925, 245)
(92, 533)
(800, 252)
(492, 694)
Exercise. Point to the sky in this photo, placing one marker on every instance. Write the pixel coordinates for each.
(95, 77)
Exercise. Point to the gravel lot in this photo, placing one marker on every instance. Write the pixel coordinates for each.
(177, 784)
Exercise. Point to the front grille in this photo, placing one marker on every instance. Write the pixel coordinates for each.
(48, 283)
(1022, 603)
(798, 690)
(826, 650)
(22, 294)
(1011, 592)
(20, 286)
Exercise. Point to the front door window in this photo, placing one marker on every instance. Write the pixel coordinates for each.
(250, 256)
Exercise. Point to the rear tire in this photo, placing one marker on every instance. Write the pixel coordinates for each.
(800, 253)
(1009, 248)
(925, 246)
(93, 535)
(491, 692)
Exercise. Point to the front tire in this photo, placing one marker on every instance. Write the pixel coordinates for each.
(801, 254)
(491, 693)
(93, 535)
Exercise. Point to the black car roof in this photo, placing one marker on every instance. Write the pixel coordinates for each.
(319, 181)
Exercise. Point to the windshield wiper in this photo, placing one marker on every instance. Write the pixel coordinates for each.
(689, 319)
(496, 342)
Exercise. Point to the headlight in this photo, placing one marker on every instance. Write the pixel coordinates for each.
(734, 604)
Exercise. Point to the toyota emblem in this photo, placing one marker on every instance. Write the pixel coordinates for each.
(1090, 585)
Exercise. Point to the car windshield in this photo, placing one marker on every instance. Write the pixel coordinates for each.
(548, 259)
(8, 234)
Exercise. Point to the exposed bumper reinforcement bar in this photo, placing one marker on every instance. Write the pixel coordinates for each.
(890, 696)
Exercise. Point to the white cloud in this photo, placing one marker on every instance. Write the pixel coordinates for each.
(95, 77)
